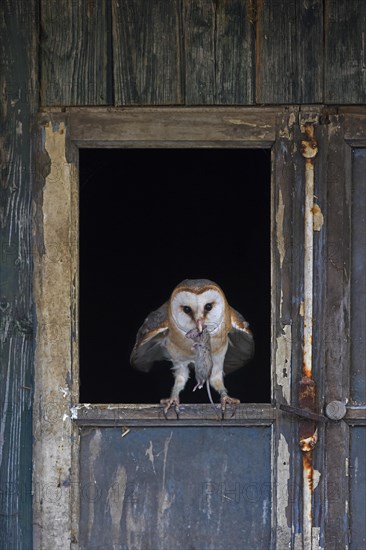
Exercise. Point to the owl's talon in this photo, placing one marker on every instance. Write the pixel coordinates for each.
(227, 400)
(170, 402)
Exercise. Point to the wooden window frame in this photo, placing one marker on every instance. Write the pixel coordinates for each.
(58, 415)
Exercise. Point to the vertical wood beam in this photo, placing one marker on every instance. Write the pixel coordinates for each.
(19, 102)
(55, 479)
(337, 332)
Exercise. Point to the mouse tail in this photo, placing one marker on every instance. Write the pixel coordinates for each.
(210, 397)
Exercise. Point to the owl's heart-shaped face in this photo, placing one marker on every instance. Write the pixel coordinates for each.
(190, 310)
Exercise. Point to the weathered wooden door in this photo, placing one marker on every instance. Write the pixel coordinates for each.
(344, 379)
(272, 475)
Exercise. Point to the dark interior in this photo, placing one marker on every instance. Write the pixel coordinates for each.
(150, 218)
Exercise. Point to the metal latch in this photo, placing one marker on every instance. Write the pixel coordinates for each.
(335, 410)
(304, 413)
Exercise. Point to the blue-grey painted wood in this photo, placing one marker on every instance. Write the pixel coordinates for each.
(175, 488)
(358, 279)
(358, 488)
(18, 54)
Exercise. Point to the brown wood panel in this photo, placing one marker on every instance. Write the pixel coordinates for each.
(289, 51)
(19, 102)
(74, 53)
(159, 127)
(345, 51)
(147, 52)
(219, 52)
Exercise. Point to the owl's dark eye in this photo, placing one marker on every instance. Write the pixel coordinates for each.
(187, 310)
(208, 307)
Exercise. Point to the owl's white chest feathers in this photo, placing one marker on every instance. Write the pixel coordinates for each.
(195, 308)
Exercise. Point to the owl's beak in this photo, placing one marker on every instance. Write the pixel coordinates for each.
(199, 325)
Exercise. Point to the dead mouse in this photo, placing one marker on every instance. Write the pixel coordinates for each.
(203, 360)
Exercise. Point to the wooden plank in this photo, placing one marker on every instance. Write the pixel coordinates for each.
(174, 127)
(175, 488)
(356, 415)
(147, 52)
(345, 52)
(75, 57)
(245, 414)
(219, 52)
(289, 51)
(284, 358)
(358, 278)
(336, 333)
(199, 52)
(357, 488)
(235, 53)
(18, 82)
(56, 285)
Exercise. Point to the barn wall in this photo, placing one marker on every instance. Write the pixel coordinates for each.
(202, 52)
(18, 84)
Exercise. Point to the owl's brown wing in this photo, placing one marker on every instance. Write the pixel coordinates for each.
(241, 343)
(149, 346)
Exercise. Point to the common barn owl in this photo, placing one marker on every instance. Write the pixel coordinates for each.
(194, 304)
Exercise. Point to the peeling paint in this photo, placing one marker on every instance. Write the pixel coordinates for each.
(94, 452)
(316, 478)
(301, 309)
(283, 477)
(135, 527)
(115, 498)
(318, 218)
(166, 502)
(315, 542)
(298, 542)
(286, 130)
(150, 455)
(74, 410)
(65, 391)
(280, 216)
(316, 539)
(283, 362)
(19, 128)
(238, 121)
(307, 492)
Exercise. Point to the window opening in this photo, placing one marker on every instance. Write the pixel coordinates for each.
(150, 218)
